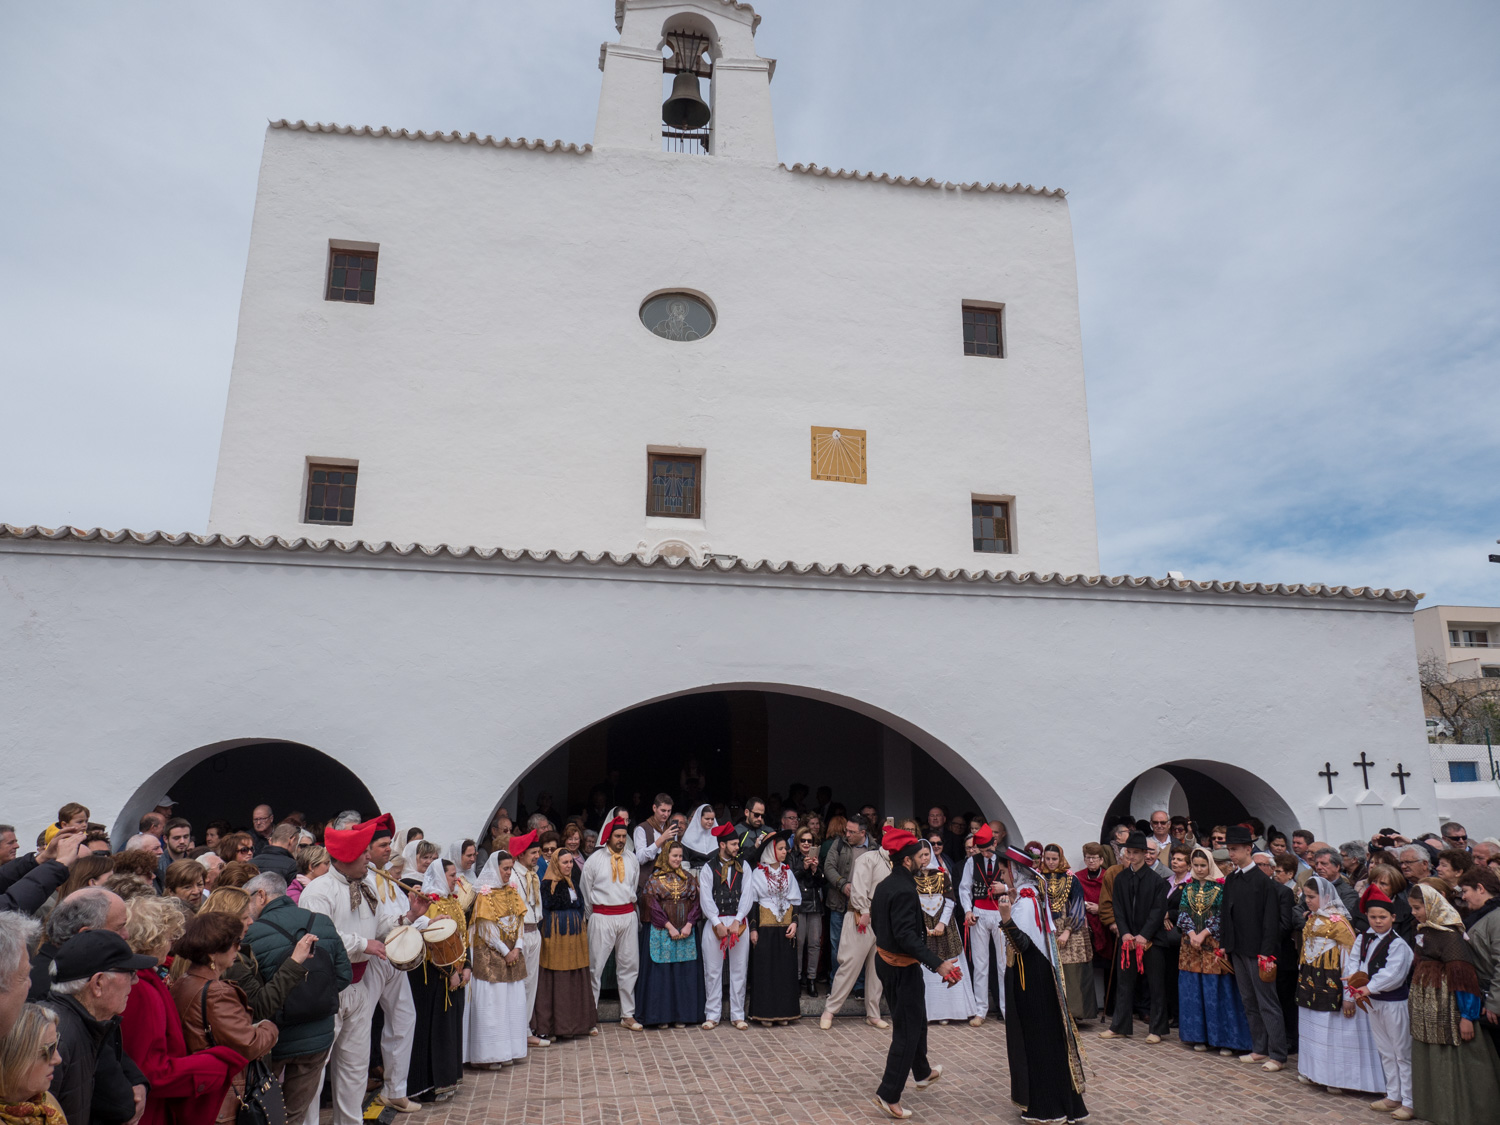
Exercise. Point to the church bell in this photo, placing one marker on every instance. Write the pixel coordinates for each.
(685, 109)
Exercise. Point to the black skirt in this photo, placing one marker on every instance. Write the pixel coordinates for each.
(437, 1053)
(774, 994)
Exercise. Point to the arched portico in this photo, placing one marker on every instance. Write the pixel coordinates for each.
(1209, 792)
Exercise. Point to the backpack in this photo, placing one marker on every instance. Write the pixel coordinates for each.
(317, 996)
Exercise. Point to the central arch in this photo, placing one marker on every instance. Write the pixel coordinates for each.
(766, 733)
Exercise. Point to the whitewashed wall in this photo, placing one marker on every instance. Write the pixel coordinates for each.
(502, 391)
(121, 665)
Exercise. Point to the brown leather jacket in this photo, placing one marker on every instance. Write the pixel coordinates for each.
(228, 1018)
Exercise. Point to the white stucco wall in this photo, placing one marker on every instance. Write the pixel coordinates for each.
(118, 663)
(502, 391)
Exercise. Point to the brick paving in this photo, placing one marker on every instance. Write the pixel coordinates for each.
(803, 1076)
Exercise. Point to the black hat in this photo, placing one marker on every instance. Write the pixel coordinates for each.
(1135, 840)
(768, 842)
(1237, 834)
(95, 951)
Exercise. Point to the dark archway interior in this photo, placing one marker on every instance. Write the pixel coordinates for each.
(1209, 801)
(287, 776)
(740, 744)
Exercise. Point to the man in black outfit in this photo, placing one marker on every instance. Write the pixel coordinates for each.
(901, 945)
(1140, 906)
(1250, 924)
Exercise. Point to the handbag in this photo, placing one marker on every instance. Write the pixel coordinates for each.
(261, 1103)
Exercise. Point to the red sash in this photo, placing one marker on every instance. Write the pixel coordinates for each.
(623, 908)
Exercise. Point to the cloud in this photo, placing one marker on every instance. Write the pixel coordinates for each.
(1284, 219)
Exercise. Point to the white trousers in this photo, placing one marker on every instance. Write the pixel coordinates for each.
(983, 934)
(615, 933)
(713, 976)
(856, 954)
(1390, 1025)
(399, 1034)
(531, 949)
(349, 1057)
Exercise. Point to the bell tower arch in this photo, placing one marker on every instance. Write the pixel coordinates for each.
(689, 40)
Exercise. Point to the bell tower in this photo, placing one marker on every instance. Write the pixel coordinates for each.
(688, 40)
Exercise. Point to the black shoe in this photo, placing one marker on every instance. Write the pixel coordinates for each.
(857, 994)
(812, 987)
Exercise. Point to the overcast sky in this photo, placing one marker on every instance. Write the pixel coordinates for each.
(1285, 217)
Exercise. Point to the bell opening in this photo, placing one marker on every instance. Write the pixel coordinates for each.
(684, 113)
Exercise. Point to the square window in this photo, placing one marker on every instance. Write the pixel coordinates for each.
(674, 485)
(991, 519)
(984, 331)
(351, 277)
(330, 494)
(838, 454)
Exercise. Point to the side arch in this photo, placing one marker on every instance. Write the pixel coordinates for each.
(1210, 791)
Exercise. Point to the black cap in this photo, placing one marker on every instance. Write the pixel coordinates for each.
(1136, 840)
(95, 951)
(1237, 834)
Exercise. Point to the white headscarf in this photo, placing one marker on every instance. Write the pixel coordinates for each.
(1329, 906)
(1032, 914)
(697, 838)
(435, 881)
(409, 853)
(453, 853)
(490, 876)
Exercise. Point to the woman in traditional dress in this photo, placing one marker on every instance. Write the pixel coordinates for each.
(698, 841)
(564, 994)
(1210, 1013)
(495, 1025)
(774, 996)
(939, 899)
(1335, 1047)
(1075, 944)
(1041, 1043)
(421, 856)
(1455, 1074)
(673, 992)
(437, 992)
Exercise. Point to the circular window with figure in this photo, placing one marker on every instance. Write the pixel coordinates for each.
(677, 316)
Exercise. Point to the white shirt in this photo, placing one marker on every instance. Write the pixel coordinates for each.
(646, 849)
(530, 889)
(966, 882)
(1398, 961)
(706, 897)
(600, 889)
(329, 894)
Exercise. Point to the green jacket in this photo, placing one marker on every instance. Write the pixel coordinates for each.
(264, 956)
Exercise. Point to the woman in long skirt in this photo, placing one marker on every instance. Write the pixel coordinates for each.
(1210, 1014)
(1335, 1047)
(564, 994)
(774, 996)
(674, 989)
(437, 1054)
(1075, 944)
(495, 1027)
(939, 899)
(1455, 1075)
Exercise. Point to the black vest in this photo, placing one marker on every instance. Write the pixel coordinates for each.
(727, 894)
(1377, 962)
(979, 883)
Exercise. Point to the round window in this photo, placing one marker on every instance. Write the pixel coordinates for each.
(678, 316)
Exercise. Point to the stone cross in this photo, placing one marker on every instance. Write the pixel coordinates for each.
(1364, 765)
(1400, 774)
(1328, 773)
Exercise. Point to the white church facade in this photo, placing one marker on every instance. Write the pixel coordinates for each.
(524, 439)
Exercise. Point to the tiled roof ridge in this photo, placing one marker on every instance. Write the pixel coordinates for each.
(126, 536)
(929, 182)
(454, 137)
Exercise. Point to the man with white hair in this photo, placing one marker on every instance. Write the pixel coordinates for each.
(88, 908)
(17, 931)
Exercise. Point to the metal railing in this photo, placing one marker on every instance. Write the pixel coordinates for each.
(695, 142)
(1474, 644)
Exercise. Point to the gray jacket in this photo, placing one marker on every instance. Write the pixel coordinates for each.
(837, 870)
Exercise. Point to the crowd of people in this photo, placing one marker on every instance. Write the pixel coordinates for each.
(176, 983)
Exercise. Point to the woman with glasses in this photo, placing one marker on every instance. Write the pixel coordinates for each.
(28, 1056)
(152, 1032)
(214, 1012)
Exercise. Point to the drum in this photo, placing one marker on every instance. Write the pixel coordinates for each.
(404, 948)
(445, 945)
(464, 892)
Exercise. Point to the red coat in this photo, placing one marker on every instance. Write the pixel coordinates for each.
(186, 1089)
(1092, 886)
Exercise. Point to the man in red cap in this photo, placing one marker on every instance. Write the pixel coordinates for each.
(610, 878)
(398, 1031)
(901, 946)
(857, 942)
(346, 893)
(725, 898)
(524, 878)
(978, 888)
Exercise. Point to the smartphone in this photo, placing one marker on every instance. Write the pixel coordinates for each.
(890, 822)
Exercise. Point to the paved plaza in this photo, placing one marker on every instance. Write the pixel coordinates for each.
(803, 1076)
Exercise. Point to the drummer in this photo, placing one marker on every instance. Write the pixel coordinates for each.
(347, 894)
(437, 1059)
(396, 1004)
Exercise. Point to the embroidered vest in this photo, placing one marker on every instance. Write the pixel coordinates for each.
(1377, 962)
(727, 890)
(980, 880)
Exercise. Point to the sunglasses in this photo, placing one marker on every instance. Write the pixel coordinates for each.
(244, 851)
(1458, 837)
(48, 1052)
